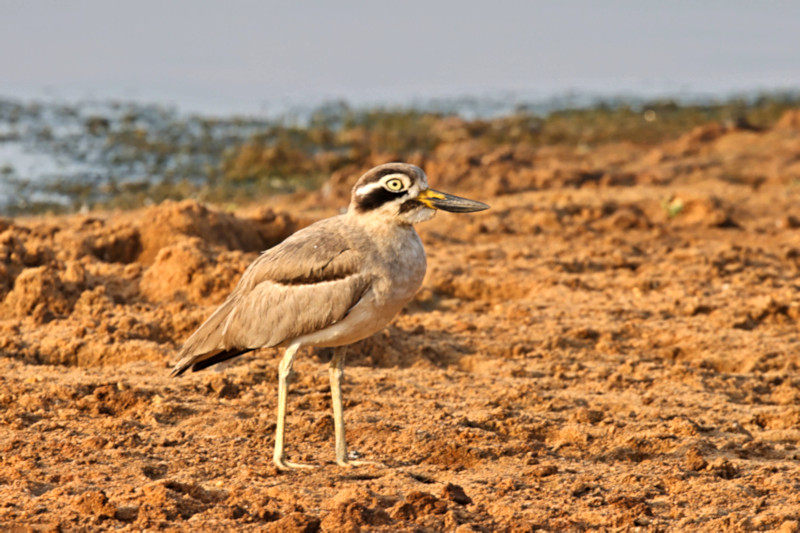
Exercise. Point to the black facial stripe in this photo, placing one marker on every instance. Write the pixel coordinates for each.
(410, 205)
(376, 198)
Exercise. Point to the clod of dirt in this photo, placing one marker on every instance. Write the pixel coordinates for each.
(418, 504)
(294, 523)
(723, 468)
(694, 460)
(221, 386)
(95, 503)
(543, 470)
(456, 494)
(39, 293)
(353, 516)
(712, 212)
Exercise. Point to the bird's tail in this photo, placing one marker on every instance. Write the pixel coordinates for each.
(207, 345)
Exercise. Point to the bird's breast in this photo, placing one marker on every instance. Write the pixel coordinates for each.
(404, 271)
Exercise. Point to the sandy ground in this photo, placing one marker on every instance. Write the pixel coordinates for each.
(613, 346)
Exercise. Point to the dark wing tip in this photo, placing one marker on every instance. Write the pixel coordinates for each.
(187, 362)
(201, 362)
(179, 370)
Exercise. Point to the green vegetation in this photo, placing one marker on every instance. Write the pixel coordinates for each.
(339, 136)
(148, 154)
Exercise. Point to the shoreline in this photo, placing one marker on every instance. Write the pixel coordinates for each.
(66, 158)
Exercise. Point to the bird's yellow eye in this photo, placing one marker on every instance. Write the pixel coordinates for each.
(394, 184)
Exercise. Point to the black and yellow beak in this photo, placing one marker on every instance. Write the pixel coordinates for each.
(448, 202)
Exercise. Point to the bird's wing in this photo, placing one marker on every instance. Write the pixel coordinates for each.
(304, 284)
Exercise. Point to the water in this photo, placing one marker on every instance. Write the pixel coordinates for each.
(64, 154)
(60, 155)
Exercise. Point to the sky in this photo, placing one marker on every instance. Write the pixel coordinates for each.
(253, 55)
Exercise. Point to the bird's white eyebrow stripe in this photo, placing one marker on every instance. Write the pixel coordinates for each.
(366, 189)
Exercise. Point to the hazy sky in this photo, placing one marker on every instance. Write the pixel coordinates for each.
(244, 53)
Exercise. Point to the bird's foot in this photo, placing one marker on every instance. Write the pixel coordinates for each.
(283, 464)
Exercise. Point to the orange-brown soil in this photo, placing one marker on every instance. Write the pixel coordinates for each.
(613, 346)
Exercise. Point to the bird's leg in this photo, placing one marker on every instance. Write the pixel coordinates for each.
(336, 374)
(284, 374)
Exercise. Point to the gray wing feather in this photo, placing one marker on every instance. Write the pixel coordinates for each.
(302, 285)
(270, 314)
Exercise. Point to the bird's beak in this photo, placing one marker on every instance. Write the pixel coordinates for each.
(448, 202)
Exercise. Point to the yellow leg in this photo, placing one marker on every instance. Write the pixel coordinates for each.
(336, 374)
(284, 375)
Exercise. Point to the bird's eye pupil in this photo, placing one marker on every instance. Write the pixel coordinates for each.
(394, 184)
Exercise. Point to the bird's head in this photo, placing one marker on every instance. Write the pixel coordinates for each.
(399, 191)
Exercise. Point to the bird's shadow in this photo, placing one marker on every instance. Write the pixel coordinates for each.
(396, 347)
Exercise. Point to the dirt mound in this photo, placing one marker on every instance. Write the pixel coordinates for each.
(171, 222)
(191, 271)
(790, 120)
(84, 292)
(700, 137)
(612, 346)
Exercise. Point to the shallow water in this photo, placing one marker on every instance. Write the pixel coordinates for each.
(68, 155)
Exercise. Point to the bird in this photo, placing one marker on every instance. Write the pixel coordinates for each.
(330, 284)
